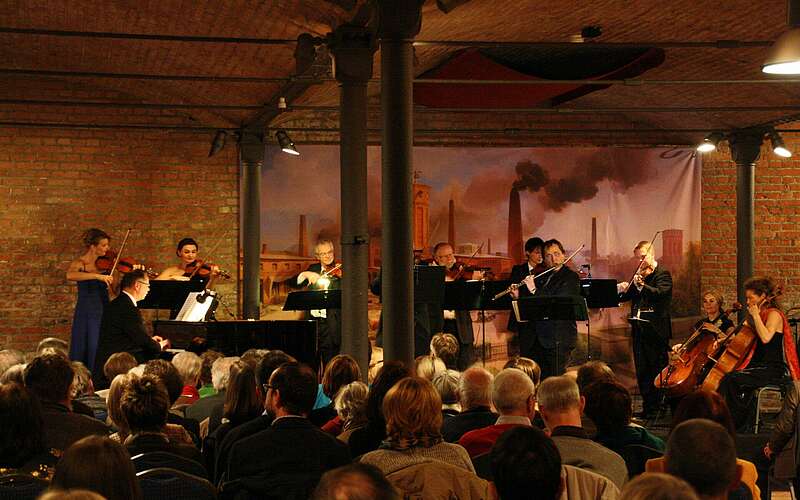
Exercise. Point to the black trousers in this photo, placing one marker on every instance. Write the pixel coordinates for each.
(551, 360)
(739, 390)
(328, 337)
(650, 357)
(466, 350)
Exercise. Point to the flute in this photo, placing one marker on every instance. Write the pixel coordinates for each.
(514, 286)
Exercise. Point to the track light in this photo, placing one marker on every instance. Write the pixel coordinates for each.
(710, 142)
(218, 142)
(783, 57)
(286, 144)
(778, 146)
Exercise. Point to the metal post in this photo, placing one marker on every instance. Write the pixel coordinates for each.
(251, 158)
(352, 48)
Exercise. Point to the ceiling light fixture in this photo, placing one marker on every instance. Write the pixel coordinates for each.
(710, 142)
(778, 146)
(783, 57)
(285, 142)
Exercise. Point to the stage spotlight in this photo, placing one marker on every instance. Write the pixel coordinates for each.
(286, 144)
(710, 143)
(218, 142)
(778, 146)
(783, 57)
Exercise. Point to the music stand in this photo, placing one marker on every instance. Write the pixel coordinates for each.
(428, 284)
(550, 308)
(169, 294)
(306, 300)
(600, 292)
(199, 306)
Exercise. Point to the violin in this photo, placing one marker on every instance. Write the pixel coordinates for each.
(204, 270)
(105, 264)
(460, 270)
(334, 270)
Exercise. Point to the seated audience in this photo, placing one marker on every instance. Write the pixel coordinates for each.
(72, 494)
(711, 406)
(351, 407)
(525, 460)
(609, 406)
(412, 409)
(370, 436)
(355, 482)
(211, 407)
(428, 366)
(206, 378)
(657, 486)
(702, 453)
(22, 447)
(561, 406)
(593, 371)
(118, 363)
(475, 398)
(444, 346)
(340, 371)
(98, 464)
(168, 374)
(83, 392)
(188, 365)
(513, 395)
(243, 403)
(145, 405)
(59, 345)
(9, 358)
(16, 374)
(50, 377)
(175, 432)
(299, 451)
(529, 366)
(446, 384)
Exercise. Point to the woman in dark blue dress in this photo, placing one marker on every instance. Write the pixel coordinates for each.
(92, 297)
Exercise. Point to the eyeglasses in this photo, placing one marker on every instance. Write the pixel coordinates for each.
(267, 387)
(144, 283)
(320, 254)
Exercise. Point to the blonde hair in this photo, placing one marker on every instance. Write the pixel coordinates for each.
(412, 407)
(188, 365)
(658, 486)
(428, 367)
(717, 296)
(351, 403)
(114, 402)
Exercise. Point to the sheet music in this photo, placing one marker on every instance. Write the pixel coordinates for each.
(192, 310)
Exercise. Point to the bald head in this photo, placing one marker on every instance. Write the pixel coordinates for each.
(475, 388)
(513, 392)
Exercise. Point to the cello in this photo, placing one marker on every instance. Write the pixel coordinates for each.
(737, 346)
(684, 371)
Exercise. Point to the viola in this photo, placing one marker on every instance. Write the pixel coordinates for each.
(204, 270)
(334, 270)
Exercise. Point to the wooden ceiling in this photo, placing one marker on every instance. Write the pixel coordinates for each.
(209, 65)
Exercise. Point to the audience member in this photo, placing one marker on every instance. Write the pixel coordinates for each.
(22, 446)
(475, 397)
(101, 465)
(355, 482)
(513, 395)
(211, 407)
(206, 378)
(73, 494)
(145, 405)
(529, 366)
(351, 407)
(370, 436)
(561, 405)
(444, 346)
(340, 371)
(446, 384)
(83, 393)
(524, 460)
(780, 445)
(60, 345)
(254, 356)
(657, 486)
(711, 406)
(168, 374)
(412, 409)
(301, 451)
(593, 371)
(428, 366)
(188, 365)
(702, 453)
(9, 358)
(118, 363)
(50, 377)
(609, 406)
(16, 373)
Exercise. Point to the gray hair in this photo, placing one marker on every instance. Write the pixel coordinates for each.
(81, 381)
(188, 365)
(446, 384)
(9, 358)
(351, 403)
(221, 372)
(511, 390)
(475, 387)
(558, 394)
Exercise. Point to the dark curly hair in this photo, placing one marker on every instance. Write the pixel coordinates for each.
(145, 404)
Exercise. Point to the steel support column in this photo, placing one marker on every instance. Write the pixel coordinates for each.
(251, 158)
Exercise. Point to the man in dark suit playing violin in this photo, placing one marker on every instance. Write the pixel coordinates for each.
(329, 321)
(122, 327)
(459, 323)
(650, 294)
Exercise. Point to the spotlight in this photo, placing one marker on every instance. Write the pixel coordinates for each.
(778, 146)
(710, 143)
(783, 57)
(218, 142)
(287, 146)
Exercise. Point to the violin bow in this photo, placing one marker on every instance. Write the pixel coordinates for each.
(119, 254)
(641, 261)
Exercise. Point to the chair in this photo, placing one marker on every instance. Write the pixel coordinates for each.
(161, 459)
(20, 486)
(636, 456)
(483, 465)
(172, 484)
(769, 399)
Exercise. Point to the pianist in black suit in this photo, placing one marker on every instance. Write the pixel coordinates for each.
(122, 327)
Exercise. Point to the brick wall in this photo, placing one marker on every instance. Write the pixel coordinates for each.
(777, 221)
(54, 184)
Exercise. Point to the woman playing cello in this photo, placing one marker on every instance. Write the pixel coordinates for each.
(92, 297)
(772, 353)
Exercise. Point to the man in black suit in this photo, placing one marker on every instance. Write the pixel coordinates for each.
(122, 327)
(651, 327)
(287, 459)
(532, 265)
(329, 321)
(459, 323)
